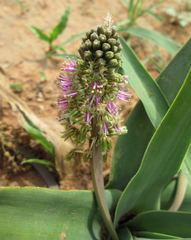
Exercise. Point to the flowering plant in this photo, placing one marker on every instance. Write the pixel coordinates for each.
(149, 193)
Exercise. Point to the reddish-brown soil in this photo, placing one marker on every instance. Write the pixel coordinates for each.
(23, 54)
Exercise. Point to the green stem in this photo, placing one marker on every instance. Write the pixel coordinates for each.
(180, 192)
(97, 177)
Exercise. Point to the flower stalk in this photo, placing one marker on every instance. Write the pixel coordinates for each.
(96, 164)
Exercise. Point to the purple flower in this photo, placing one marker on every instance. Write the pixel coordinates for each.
(62, 103)
(87, 117)
(124, 96)
(69, 67)
(105, 128)
(117, 129)
(112, 107)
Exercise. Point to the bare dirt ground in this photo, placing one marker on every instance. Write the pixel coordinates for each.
(22, 54)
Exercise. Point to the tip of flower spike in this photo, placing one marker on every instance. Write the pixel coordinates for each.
(108, 21)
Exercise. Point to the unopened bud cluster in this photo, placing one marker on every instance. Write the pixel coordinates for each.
(90, 89)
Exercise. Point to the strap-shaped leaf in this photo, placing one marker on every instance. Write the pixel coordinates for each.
(61, 26)
(40, 34)
(153, 235)
(162, 159)
(164, 222)
(130, 148)
(140, 130)
(124, 233)
(167, 43)
(146, 88)
(30, 213)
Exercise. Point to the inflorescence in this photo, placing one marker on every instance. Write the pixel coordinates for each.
(90, 87)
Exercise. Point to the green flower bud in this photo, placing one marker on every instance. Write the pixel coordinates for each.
(114, 49)
(87, 55)
(114, 30)
(113, 63)
(83, 47)
(112, 41)
(81, 53)
(101, 62)
(117, 56)
(109, 143)
(118, 43)
(88, 44)
(108, 33)
(84, 38)
(102, 38)
(93, 36)
(98, 53)
(103, 144)
(100, 29)
(88, 33)
(96, 44)
(106, 46)
(109, 55)
(120, 47)
(116, 36)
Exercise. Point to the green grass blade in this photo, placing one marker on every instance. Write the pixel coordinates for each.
(65, 56)
(30, 213)
(37, 135)
(172, 141)
(156, 16)
(39, 34)
(40, 161)
(168, 44)
(140, 128)
(75, 37)
(147, 89)
(125, 3)
(61, 26)
(164, 222)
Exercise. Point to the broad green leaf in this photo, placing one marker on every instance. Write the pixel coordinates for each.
(164, 222)
(147, 89)
(153, 235)
(124, 234)
(30, 213)
(40, 161)
(126, 158)
(172, 77)
(162, 159)
(168, 44)
(40, 34)
(61, 26)
(176, 69)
